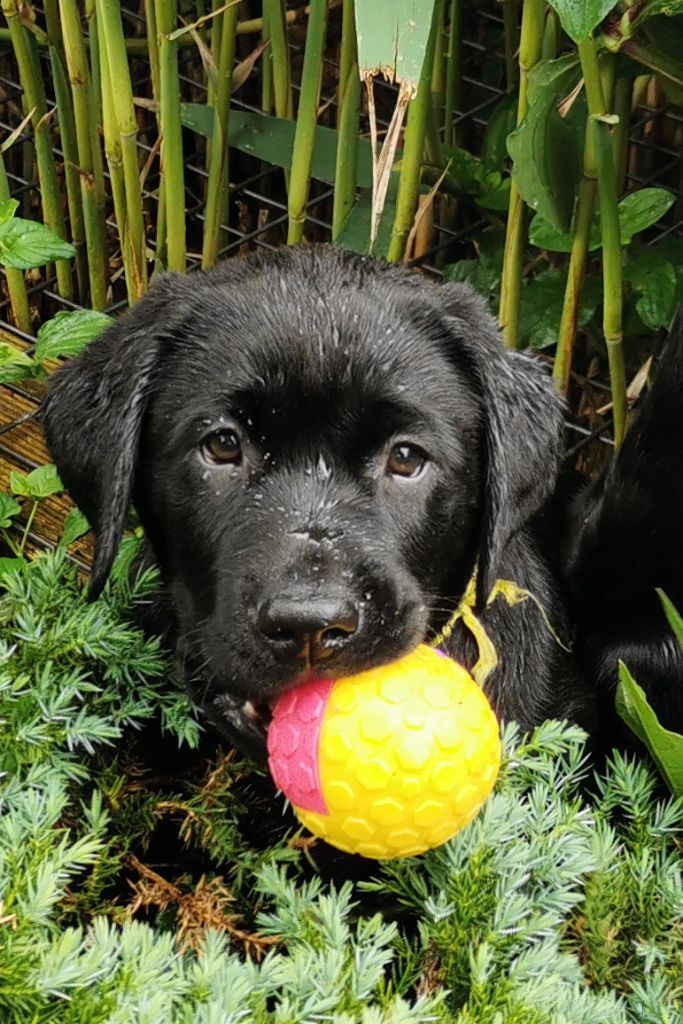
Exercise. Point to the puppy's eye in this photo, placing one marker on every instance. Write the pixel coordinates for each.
(406, 460)
(222, 446)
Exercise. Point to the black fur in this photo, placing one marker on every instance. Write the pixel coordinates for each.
(322, 360)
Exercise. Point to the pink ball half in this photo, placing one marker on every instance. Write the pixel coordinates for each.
(294, 740)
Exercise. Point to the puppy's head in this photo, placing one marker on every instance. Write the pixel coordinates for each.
(319, 447)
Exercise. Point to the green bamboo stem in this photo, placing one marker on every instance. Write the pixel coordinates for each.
(345, 176)
(411, 162)
(348, 52)
(217, 187)
(279, 57)
(551, 36)
(109, 14)
(531, 42)
(585, 208)
(611, 242)
(623, 93)
(266, 72)
(67, 135)
(34, 100)
(112, 148)
(16, 282)
(92, 40)
(453, 72)
(438, 66)
(576, 272)
(153, 30)
(79, 74)
(172, 167)
(306, 121)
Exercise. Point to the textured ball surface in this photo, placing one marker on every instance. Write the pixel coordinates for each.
(388, 763)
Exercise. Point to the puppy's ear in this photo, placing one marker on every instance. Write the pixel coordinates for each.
(92, 417)
(523, 423)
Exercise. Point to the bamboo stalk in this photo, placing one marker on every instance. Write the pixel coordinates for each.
(109, 14)
(453, 71)
(413, 149)
(79, 74)
(216, 209)
(306, 121)
(266, 71)
(34, 99)
(92, 41)
(172, 167)
(16, 282)
(153, 46)
(279, 57)
(112, 147)
(611, 242)
(531, 42)
(346, 168)
(438, 76)
(348, 53)
(67, 135)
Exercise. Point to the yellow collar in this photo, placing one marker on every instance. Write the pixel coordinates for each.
(488, 657)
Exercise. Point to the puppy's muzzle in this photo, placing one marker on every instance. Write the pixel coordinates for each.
(307, 627)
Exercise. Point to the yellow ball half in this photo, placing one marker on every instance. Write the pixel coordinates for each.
(391, 762)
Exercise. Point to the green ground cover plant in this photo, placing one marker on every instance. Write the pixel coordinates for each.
(562, 901)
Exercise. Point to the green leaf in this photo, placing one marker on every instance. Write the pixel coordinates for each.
(75, 525)
(579, 17)
(25, 244)
(355, 231)
(7, 209)
(502, 121)
(674, 619)
(652, 8)
(9, 508)
(15, 365)
(653, 277)
(546, 148)
(392, 37)
(40, 483)
(67, 334)
(666, 747)
(10, 566)
(640, 210)
(541, 304)
(637, 211)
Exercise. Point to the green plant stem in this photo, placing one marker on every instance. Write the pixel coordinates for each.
(348, 52)
(109, 14)
(172, 166)
(347, 151)
(623, 92)
(112, 147)
(438, 64)
(531, 42)
(92, 41)
(611, 242)
(79, 74)
(279, 58)
(266, 72)
(411, 162)
(27, 528)
(16, 282)
(511, 37)
(576, 272)
(453, 72)
(306, 121)
(34, 100)
(551, 35)
(217, 186)
(67, 136)
(153, 29)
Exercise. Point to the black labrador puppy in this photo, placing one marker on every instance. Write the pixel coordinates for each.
(321, 449)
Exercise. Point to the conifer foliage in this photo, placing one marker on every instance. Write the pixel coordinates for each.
(143, 886)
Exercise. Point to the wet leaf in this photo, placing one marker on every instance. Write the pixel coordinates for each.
(541, 304)
(25, 244)
(75, 526)
(666, 747)
(15, 365)
(7, 209)
(640, 210)
(40, 483)
(653, 278)
(579, 17)
(67, 334)
(9, 508)
(392, 37)
(546, 149)
(502, 121)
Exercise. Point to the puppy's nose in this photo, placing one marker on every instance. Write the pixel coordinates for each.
(307, 628)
